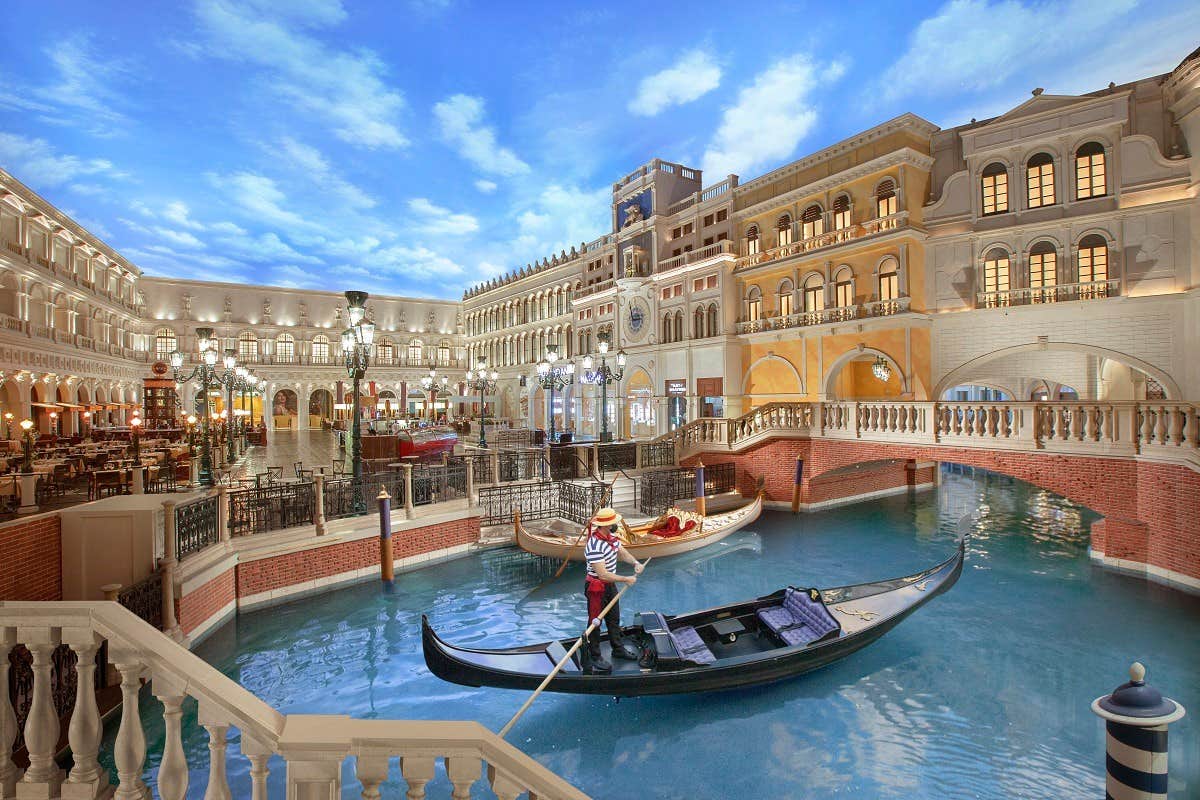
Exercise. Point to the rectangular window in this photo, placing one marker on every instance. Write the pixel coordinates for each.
(708, 220)
(687, 229)
(666, 293)
(814, 298)
(841, 219)
(813, 227)
(676, 251)
(698, 285)
(1089, 175)
(844, 291)
(995, 275)
(722, 237)
(754, 310)
(711, 282)
(676, 233)
(995, 193)
(885, 206)
(677, 290)
(1093, 264)
(708, 240)
(1042, 277)
(722, 214)
(1040, 180)
(785, 304)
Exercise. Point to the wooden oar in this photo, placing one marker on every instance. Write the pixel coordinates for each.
(562, 662)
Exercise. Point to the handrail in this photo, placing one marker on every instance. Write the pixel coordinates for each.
(314, 746)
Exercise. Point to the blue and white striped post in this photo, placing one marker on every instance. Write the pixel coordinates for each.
(1136, 718)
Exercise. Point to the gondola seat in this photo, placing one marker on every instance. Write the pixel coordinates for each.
(672, 646)
(801, 620)
(691, 646)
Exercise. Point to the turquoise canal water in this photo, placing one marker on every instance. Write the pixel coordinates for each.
(983, 693)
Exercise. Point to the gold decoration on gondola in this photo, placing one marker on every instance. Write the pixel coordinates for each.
(865, 616)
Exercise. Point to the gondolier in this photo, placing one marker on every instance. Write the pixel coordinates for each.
(602, 551)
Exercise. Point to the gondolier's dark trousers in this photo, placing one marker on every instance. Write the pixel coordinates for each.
(598, 594)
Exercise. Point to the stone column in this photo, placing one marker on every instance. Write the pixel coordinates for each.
(408, 492)
(168, 565)
(319, 512)
(223, 513)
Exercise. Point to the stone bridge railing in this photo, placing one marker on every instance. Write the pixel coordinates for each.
(1161, 430)
(313, 747)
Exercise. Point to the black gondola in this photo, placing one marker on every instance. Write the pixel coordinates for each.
(786, 633)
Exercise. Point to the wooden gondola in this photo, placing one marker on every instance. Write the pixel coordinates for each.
(643, 543)
(741, 644)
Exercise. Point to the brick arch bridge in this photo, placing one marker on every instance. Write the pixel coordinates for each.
(1149, 510)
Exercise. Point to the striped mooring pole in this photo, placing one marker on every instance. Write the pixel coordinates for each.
(1136, 717)
(386, 565)
(701, 503)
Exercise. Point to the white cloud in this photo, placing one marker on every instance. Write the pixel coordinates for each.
(262, 198)
(434, 219)
(485, 186)
(976, 45)
(692, 76)
(316, 167)
(769, 119)
(460, 119)
(36, 162)
(346, 88)
(177, 211)
(561, 217)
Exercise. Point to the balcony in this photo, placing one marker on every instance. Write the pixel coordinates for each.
(715, 250)
(802, 320)
(595, 288)
(1063, 293)
(853, 233)
(886, 308)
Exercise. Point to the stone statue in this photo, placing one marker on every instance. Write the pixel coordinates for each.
(633, 213)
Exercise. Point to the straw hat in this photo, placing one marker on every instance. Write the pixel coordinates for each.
(605, 517)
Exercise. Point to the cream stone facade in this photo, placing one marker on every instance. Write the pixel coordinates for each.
(1051, 252)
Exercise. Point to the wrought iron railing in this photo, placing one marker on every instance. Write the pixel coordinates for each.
(520, 437)
(271, 508)
(521, 465)
(660, 490)
(480, 462)
(617, 456)
(565, 463)
(197, 525)
(576, 501)
(339, 493)
(145, 599)
(658, 454)
(435, 483)
(63, 678)
(579, 501)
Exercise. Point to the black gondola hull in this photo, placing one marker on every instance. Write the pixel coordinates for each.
(494, 667)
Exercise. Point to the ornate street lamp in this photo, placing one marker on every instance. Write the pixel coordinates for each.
(433, 385)
(135, 429)
(54, 423)
(191, 433)
(481, 381)
(27, 437)
(552, 376)
(8, 418)
(205, 373)
(603, 375)
(881, 370)
(356, 350)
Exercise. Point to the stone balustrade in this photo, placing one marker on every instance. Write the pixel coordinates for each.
(314, 747)
(1162, 430)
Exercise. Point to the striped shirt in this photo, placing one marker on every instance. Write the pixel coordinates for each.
(601, 550)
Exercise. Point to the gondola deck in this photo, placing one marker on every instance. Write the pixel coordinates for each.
(743, 647)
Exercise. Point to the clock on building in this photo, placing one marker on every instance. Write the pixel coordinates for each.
(635, 320)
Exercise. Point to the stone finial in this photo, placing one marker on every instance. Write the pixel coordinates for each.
(1038, 91)
(1137, 672)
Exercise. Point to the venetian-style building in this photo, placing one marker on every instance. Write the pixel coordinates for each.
(1052, 252)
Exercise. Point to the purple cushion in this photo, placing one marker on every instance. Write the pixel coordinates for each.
(799, 634)
(776, 618)
(691, 646)
(811, 613)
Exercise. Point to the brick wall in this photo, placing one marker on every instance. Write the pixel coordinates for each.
(318, 562)
(31, 555)
(1150, 510)
(196, 607)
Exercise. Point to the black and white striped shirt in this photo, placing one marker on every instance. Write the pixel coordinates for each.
(601, 550)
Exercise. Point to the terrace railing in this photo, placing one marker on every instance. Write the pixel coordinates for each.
(144, 599)
(271, 508)
(197, 525)
(573, 500)
(64, 639)
(661, 489)
(621, 455)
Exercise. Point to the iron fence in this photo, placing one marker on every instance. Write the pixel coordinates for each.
(660, 490)
(437, 483)
(339, 493)
(521, 465)
(658, 454)
(144, 598)
(579, 501)
(521, 437)
(480, 462)
(272, 508)
(537, 500)
(197, 525)
(564, 463)
(617, 456)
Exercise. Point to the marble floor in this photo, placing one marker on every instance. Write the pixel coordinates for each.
(285, 448)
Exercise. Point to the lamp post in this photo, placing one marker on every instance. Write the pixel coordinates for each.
(481, 381)
(603, 375)
(87, 424)
(356, 350)
(205, 374)
(54, 422)
(8, 418)
(433, 385)
(191, 432)
(552, 376)
(27, 436)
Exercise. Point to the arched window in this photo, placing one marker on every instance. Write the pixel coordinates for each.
(995, 189)
(667, 328)
(814, 294)
(1089, 171)
(1093, 266)
(1043, 272)
(698, 323)
(165, 343)
(1039, 178)
(753, 246)
(679, 326)
(843, 288)
(813, 222)
(385, 351)
(786, 309)
(754, 305)
(247, 347)
(784, 227)
(285, 348)
(841, 212)
(320, 349)
(996, 283)
(889, 280)
(415, 354)
(885, 198)
(443, 352)
(714, 321)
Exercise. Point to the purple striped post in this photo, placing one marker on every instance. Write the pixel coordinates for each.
(386, 567)
(700, 500)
